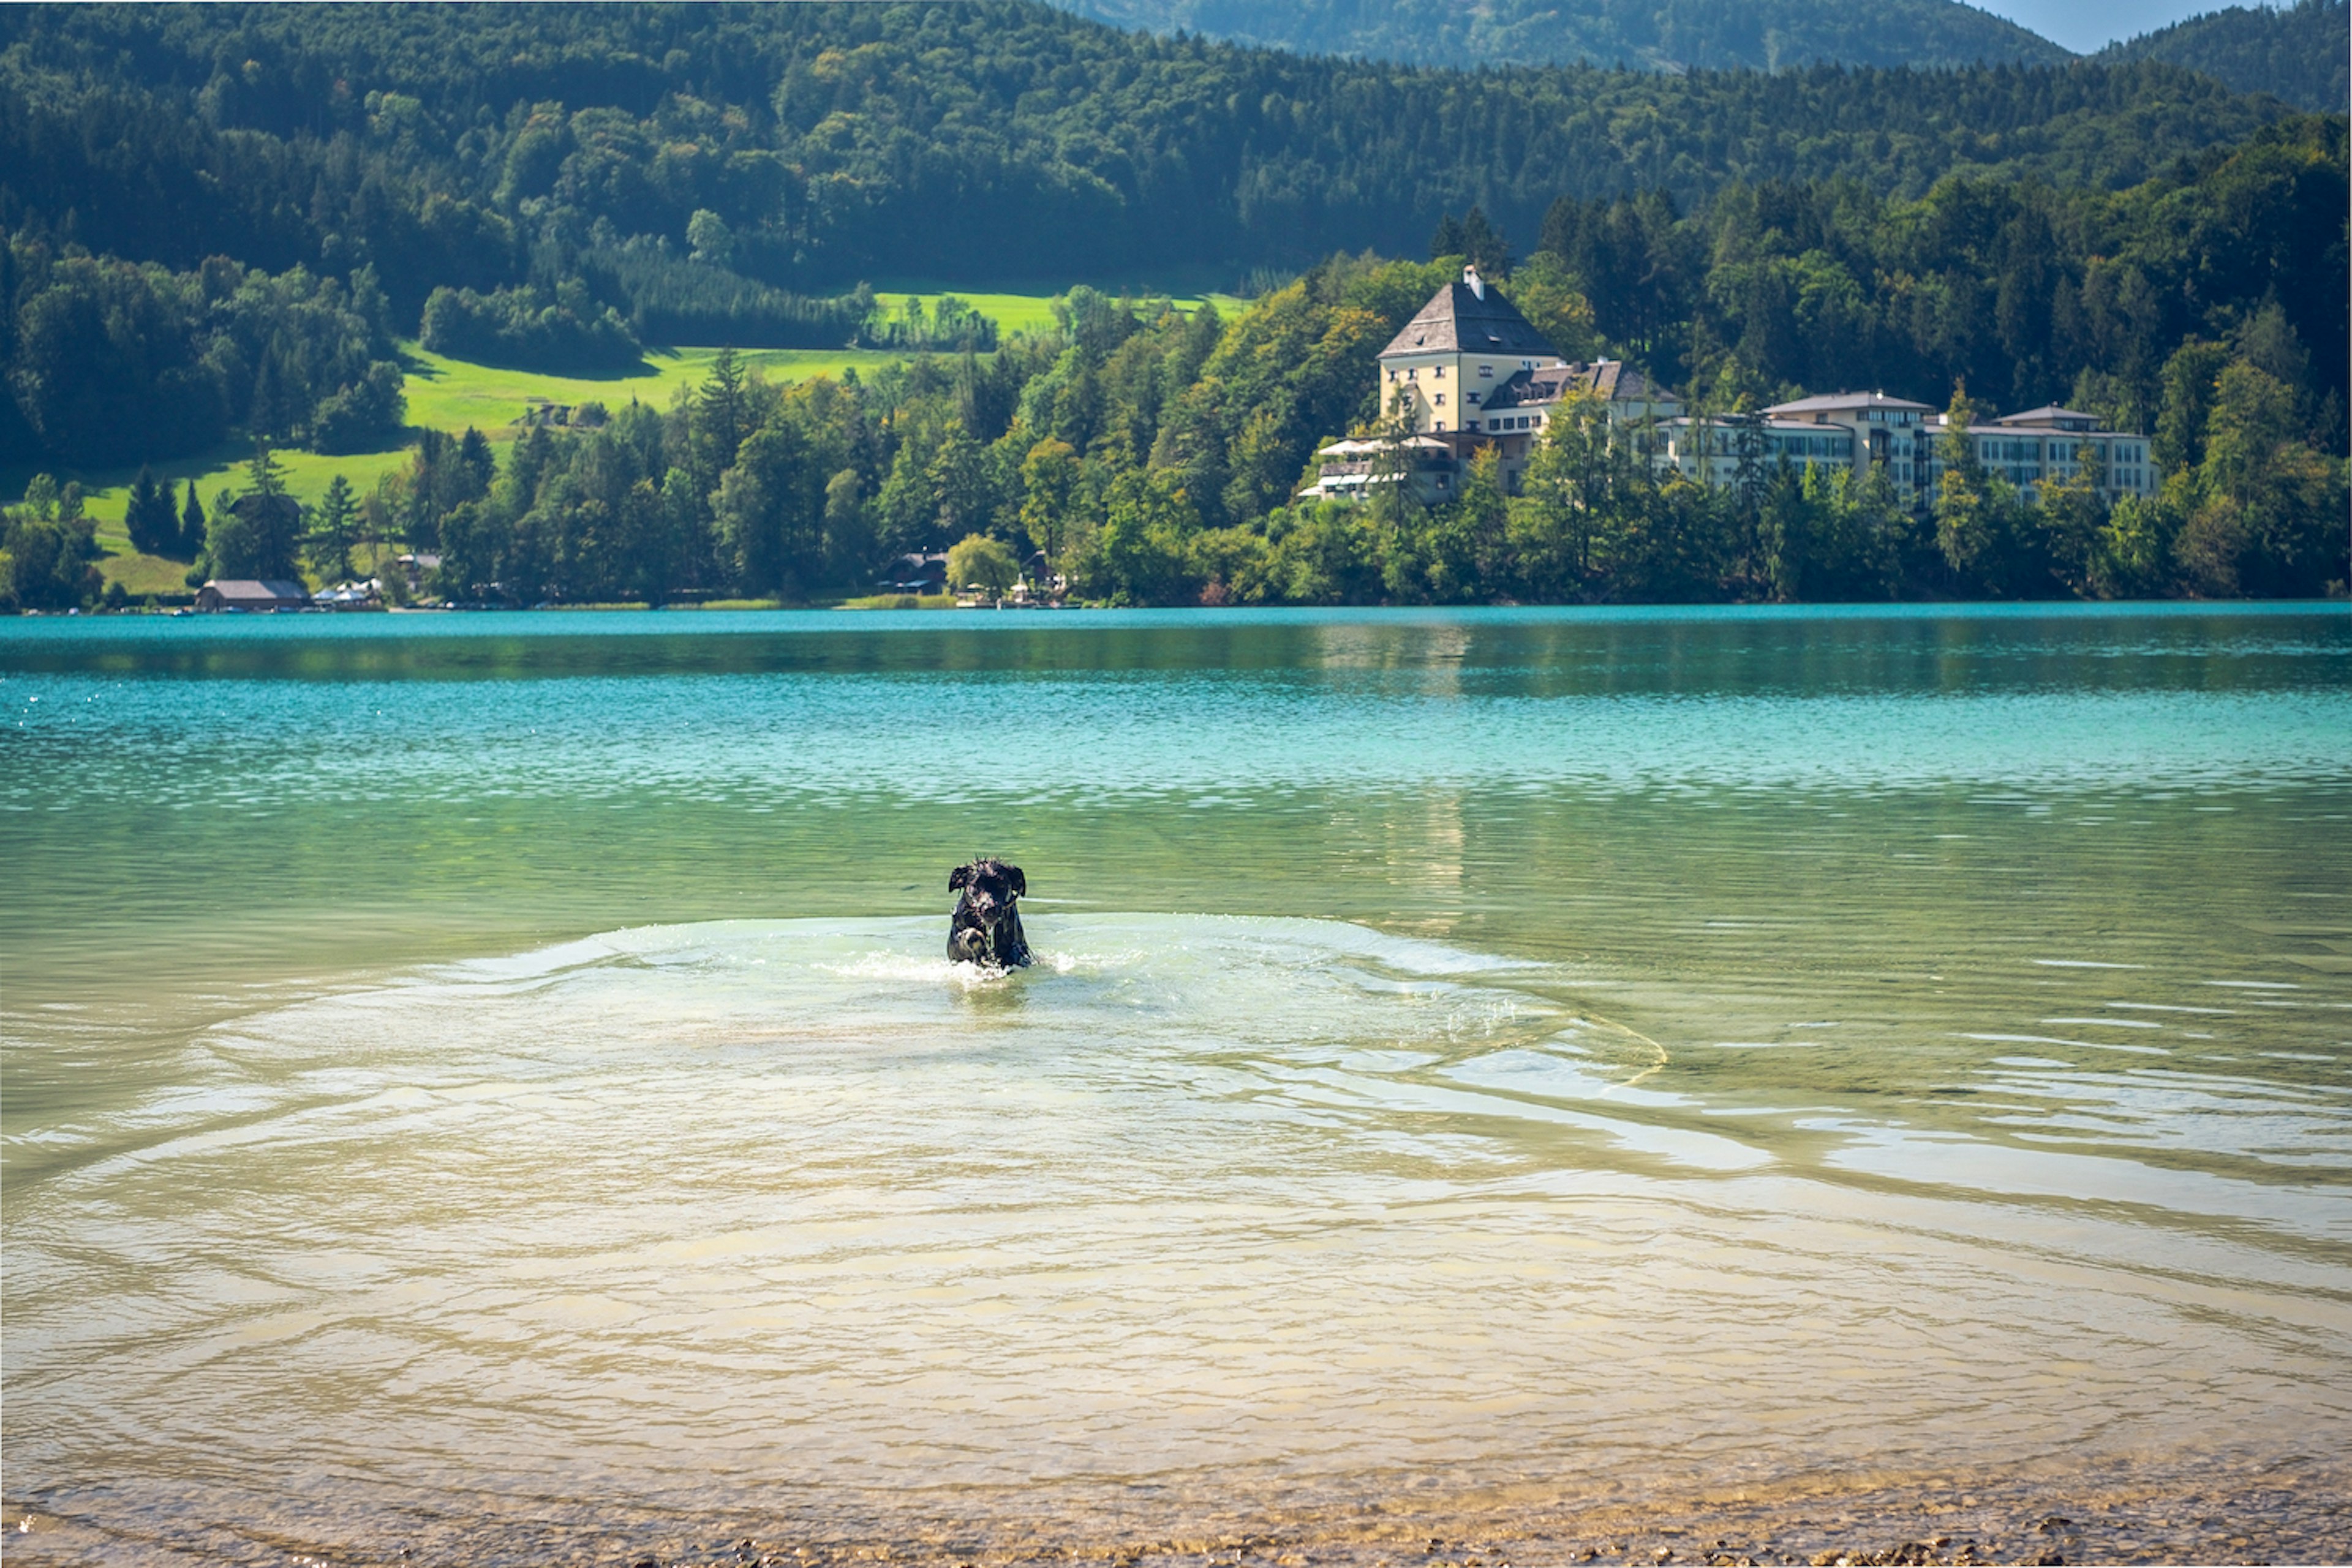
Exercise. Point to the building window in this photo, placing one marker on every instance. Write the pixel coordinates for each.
(1440, 400)
(1486, 372)
(1439, 372)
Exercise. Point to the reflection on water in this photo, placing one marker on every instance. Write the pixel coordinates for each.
(1586, 1064)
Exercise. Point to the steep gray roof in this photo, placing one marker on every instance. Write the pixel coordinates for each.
(270, 590)
(1456, 321)
(1612, 379)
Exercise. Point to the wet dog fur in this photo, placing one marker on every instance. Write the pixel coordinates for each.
(986, 926)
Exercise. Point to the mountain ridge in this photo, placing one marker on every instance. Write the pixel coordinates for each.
(2296, 53)
(1651, 34)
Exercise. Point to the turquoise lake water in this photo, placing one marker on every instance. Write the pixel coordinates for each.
(490, 1084)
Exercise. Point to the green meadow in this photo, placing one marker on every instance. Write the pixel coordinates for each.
(445, 394)
(1033, 312)
(451, 394)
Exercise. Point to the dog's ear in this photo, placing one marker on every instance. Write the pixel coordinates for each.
(1020, 882)
(958, 877)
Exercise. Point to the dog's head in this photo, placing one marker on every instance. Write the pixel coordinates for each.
(989, 888)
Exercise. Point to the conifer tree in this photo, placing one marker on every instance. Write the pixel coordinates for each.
(328, 544)
(1473, 238)
(192, 525)
(147, 517)
(474, 452)
(722, 410)
(262, 419)
(262, 473)
(1484, 247)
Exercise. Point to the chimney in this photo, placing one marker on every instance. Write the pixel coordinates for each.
(1470, 276)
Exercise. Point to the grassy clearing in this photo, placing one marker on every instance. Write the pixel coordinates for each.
(444, 393)
(1010, 312)
(107, 490)
(1018, 312)
(450, 395)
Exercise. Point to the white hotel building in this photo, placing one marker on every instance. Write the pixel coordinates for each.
(1469, 372)
(1848, 429)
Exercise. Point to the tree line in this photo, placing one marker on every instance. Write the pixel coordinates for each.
(496, 147)
(1152, 455)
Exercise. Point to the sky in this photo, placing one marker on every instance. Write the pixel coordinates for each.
(2084, 26)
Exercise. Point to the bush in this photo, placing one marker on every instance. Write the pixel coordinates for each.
(530, 328)
(980, 562)
(47, 564)
(361, 416)
(949, 325)
(673, 302)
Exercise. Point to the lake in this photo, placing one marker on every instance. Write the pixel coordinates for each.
(489, 1087)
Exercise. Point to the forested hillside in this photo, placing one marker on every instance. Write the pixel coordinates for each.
(1656, 35)
(2298, 52)
(219, 221)
(480, 147)
(1153, 455)
(2027, 292)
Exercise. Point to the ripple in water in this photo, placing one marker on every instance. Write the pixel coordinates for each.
(774, 1220)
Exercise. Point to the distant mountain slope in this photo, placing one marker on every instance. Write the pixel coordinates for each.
(1658, 34)
(482, 146)
(2299, 54)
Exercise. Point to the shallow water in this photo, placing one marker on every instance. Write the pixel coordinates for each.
(489, 1085)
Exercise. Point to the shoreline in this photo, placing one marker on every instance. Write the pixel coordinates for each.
(2287, 1514)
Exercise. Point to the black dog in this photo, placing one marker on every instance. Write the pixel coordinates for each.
(987, 924)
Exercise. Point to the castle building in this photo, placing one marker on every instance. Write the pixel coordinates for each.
(1468, 372)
